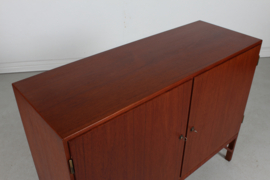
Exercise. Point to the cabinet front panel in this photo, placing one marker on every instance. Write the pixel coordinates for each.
(141, 144)
(218, 103)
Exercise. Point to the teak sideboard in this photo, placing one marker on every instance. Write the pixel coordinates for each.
(154, 109)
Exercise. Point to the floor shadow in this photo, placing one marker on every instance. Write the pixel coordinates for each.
(221, 154)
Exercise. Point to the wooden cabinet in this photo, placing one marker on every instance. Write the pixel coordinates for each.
(218, 102)
(139, 144)
(157, 108)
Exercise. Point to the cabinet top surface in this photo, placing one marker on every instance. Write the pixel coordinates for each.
(82, 94)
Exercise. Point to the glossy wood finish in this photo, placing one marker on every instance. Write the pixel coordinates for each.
(209, 157)
(46, 146)
(141, 144)
(79, 96)
(218, 102)
(119, 114)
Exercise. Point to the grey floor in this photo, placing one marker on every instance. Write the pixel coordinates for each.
(251, 159)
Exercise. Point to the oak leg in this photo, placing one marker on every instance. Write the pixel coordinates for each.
(230, 150)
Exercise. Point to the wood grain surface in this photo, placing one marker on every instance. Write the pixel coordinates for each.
(79, 96)
(141, 144)
(218, 102)
(46, 146)
(209, 157)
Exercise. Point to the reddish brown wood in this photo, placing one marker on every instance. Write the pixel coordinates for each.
(218, 102)
(209, 157)
(79, 96)
(122, 111)
(140, 144)
(46, 146)
(230, 150)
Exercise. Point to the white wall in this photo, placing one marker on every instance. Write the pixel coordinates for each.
(43, 34)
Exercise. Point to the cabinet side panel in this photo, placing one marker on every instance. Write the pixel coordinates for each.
(141, 144)
(218, 103)
(46, 147)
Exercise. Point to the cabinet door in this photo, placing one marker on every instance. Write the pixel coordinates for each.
(218, 102)
(141, 144)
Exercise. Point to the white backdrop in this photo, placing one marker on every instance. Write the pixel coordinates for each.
(43, 34)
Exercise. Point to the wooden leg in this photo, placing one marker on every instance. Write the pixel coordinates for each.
(230, 150)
